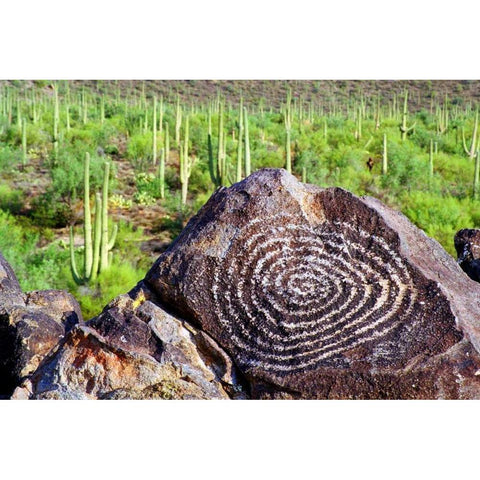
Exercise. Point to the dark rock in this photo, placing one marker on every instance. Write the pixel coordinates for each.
(59, 305)
(8, 280)
(133, 350)
(30, 326)
(316, 293)
(467, 245)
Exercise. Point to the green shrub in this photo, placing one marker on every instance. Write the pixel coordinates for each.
(140, 150)
(67, 174)
(439, 216)
(36, 268)
(118, 279)
(144, 199)
(48, 211)
(111, 149)
(11, 200)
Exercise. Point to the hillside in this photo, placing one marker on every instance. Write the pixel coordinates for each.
(274, 92)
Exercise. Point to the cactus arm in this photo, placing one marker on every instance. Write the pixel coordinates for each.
(474, 137)
(368, 143)
(73, 264)
(113, 237)
(473, 148)
(404, 129)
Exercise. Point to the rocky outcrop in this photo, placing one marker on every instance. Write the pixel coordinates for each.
(467, 245)
(316, 293)
(31, 324)
(277, 289)
(134, 350)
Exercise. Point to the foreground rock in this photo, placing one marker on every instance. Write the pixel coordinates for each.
(31, 324)
(134, 350)
(315, 293)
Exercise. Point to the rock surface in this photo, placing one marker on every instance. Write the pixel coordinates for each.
(316, 293)
(31, 324)
(134, 350)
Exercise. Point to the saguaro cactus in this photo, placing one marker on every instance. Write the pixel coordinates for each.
(247, 143)
(24, 141)
(161, 173)
(442, 117)
(97, 256)
(34, 108)
(186, 164)
(160, 113)
(431, 158)
(178, 123)
(102, 110)
(471, 152)
(358, 126)
(239, 144)
(211, 161)
(221, 167)
(154, 131)
(404, 129)
(84, 107)
(218, 167)
(385, 155)
(476, 175)
(106, 245)
(288, 129)
(56, 121)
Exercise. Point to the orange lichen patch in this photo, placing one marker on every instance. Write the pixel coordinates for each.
(90, 357)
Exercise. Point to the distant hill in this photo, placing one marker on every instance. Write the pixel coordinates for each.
(274, 91)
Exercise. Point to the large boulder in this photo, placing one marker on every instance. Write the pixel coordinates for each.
(316, 293)
(31, 324)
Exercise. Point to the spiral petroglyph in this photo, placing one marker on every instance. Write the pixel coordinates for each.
(304, 295)
(309, 290)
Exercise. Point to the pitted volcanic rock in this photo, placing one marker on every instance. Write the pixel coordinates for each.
(302, 285)
(31, 324)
